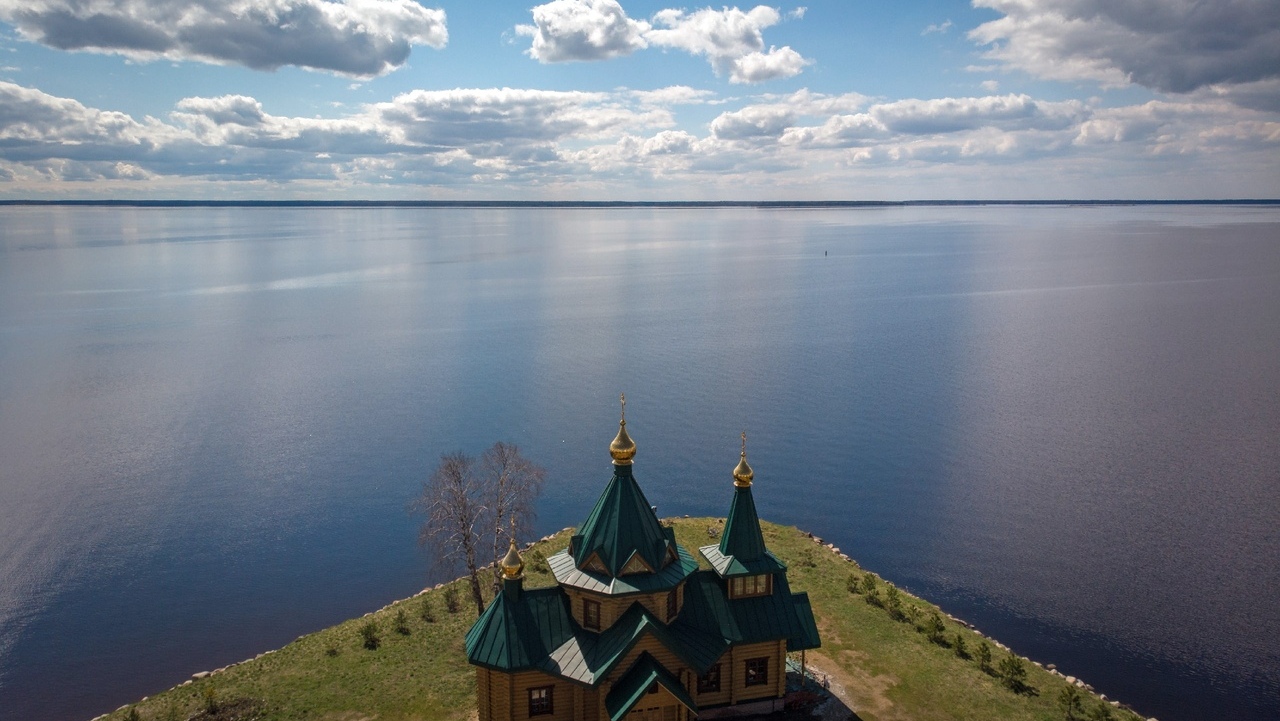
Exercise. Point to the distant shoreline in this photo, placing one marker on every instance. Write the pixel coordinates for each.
(765, 204)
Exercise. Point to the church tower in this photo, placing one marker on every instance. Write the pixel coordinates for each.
(633, 629)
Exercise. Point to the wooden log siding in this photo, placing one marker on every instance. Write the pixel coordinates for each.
(612, 607)
(740, 692)
(510, 696)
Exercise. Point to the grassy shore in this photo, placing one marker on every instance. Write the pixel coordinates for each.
(883, 667)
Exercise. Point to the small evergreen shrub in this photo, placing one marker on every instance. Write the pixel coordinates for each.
(452, 601)
(1069, 700)
(893, 603)
(331, 652)
(852, 583)
(1013, 673)
(984, 656)
(427, 613)
(133, 714)
(935, 630)
(369, 632)
(960, 647)
(402, 622)
(210, 699)
(913, 613)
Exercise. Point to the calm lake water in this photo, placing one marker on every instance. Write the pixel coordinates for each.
(1062, 424)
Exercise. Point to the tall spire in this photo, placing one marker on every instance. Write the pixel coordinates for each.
(623, 449)
(743, 474)
(741, 551)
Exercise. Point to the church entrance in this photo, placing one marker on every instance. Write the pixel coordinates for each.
(654, 713)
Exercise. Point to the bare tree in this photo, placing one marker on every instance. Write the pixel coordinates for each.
(453, 501)
(462, 502)
(513, 483)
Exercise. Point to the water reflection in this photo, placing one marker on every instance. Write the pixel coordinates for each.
(1058, 422)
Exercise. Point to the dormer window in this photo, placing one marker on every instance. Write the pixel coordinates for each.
(749, 586)
(635, 564)
(595, 565)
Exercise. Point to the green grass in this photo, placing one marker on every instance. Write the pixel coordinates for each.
(887, 669)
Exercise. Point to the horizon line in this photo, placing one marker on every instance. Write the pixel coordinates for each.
(800, 204)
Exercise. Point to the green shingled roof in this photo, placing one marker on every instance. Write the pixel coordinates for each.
(741, 551)
(635, 683)
(621, 524)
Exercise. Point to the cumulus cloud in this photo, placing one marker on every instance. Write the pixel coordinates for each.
(731, 39)
(361, 38)
(472, 138)
(949, 115)
(1173, 46)
(571, 30)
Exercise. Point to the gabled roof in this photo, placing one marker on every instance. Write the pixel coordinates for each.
(621, 524)
(635, 683)
(741, 551)
(588, 658)
(534, 630)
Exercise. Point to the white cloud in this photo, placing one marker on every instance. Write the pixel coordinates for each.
(502, 140)
(361, 38)
(940, 28)
(949, 115)
(1173, 46)
(673, 95)
(569, 30)
(732, 40)
(990, 85)
(758, 67)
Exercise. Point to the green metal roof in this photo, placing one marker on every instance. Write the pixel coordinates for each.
(741, 551)
(518, 631)
(566, 571)
(635, 683)
(533, 629)
(621, 524)
(781, 614)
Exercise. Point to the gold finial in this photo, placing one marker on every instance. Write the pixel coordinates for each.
(743, 474)
(512, 565)
(623, 449)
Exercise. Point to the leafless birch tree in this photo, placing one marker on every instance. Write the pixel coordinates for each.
(513, 483)
(462, 502)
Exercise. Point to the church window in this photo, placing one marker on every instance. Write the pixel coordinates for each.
(747, 586)
(757, 671)
(540, 700)
(590, 614)
(709, 682)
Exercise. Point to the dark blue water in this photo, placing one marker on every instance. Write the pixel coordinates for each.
(1059, 423)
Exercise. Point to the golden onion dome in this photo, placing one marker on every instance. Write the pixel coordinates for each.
(742, 475)
(623, 449)
(512, 565)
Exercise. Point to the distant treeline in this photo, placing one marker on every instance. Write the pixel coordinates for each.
(799, 204)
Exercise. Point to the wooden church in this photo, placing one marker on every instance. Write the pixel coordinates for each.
(633, 628)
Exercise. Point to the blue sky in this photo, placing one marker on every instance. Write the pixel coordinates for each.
(622, 99)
